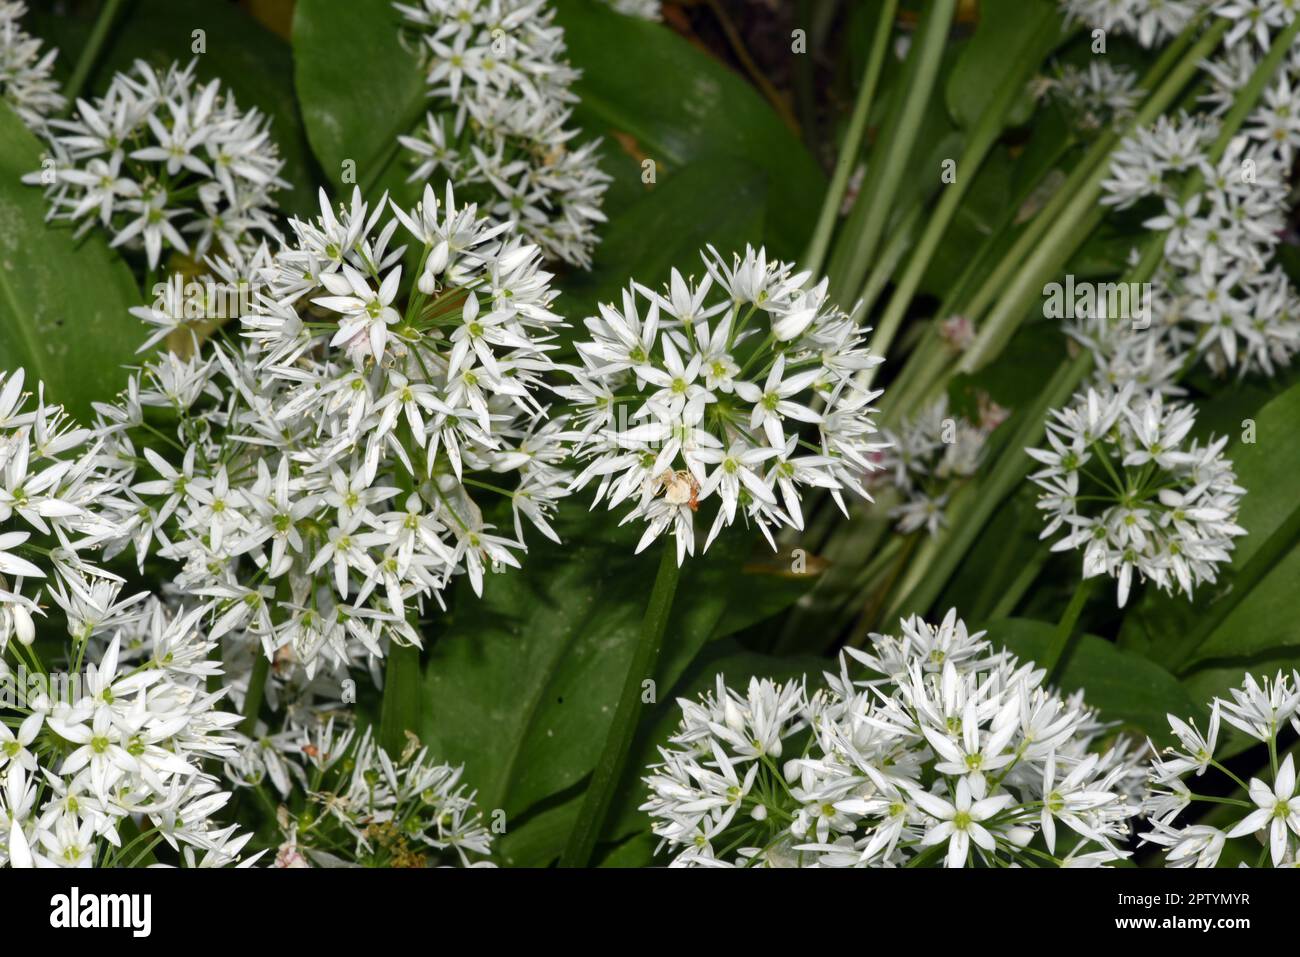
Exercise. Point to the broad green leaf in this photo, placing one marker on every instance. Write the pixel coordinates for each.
(358, 85)
(662, 99)
(63, 302)
(520, 686)
(252, 62)
(1123, 686)
(1002, 43)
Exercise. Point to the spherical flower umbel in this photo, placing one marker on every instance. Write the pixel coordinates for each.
(498, 122)
(86, 742)
(323, 479)
(730, 396)
(941, 750)
(1264, 821)
(1123, 480)
(164, 162)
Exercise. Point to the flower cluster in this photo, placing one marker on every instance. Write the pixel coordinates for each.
(322, 478)
(99, 763)
(644, 9)
(364, 807)
(1221, 296)
(928, 457)
(164, 162)
(1150, 22)
(1097, 96)
(1268, 811)
(704, 391)
(1123, 480)
(943, 746)
(498, 126)
(26, 75)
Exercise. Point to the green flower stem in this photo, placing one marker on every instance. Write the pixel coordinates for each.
(981, 140)
(1010, 596)
(1078, 217)
(609, 767)
(1054, 658)
(1009, 470)
(256, 692)
(861, 235)
(90, 52)
(400, 708)
(851, 148)
(1011, 261)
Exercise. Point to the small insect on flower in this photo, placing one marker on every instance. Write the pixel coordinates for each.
(679, 487)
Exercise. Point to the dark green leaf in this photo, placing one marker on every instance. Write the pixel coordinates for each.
(521, 685)
(358, 85)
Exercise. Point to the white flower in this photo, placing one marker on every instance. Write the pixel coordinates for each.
(959, 822)
(328, 477)
(153, 136)
(1122, 481)
(1277, 810)
(1272, 818)
(498, 123)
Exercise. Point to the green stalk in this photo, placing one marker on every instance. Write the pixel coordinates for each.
(1011, 596)
(981, 140)
(90, 52)
(861, 236)
(997, 278)
(256, 692)
(1010, 469)
(1063, 639)
(851, 148)
(609, 768)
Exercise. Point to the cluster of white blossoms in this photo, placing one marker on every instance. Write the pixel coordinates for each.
(944, 750)
(163, 162)
(1123, 481)
(100, 762)
(324, 477)
(741, 388)
(928, 457)
(365, 808)
(644, 9)
(27, 81)
(498, 124)
(1150, 22)
(1265, 812)
(1219, 293)
(1097, 96)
